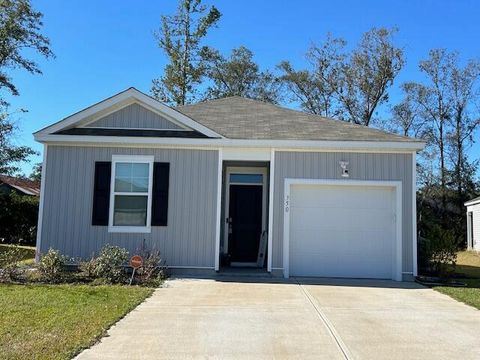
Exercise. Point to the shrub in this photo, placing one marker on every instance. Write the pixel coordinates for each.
(88, 268)
(438, 252)
(18, 218)
(9, 261)
(108, 265)
(153, 271)
(51, 266)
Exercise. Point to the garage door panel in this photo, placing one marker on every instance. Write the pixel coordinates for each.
(329, 196)
(344, 241)
(341, 231)
(338, 265)
(350, 218)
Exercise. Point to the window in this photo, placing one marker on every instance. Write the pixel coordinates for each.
(131, 193)
(246, 178)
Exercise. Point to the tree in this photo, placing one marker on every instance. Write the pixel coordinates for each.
(445, 106)
(305, 88)
(445, 103)
(315, 88)
(238, 75)
(19, 30)
(434, 102)
(179, 37)
(36, 174)
(373, 67)
(348, 85)
(406, 118)
(465, 120)
(10, 153)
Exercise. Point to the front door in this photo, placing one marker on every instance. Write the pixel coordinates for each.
(245, 223)
(245, 214)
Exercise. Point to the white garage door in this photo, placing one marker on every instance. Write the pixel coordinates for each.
(342, 231)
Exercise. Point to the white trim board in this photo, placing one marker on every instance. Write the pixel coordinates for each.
(219, 208)
(472, 202)
(280, 145)
(41, 204)
(396, 185)
(119, 101)
(270, 210)
(246, 154)
(132, 128)
(414, 214)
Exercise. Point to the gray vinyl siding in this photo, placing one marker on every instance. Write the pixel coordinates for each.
(362, 166)
(134, 117)
(189, 238)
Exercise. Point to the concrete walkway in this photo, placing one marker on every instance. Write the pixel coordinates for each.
(327, 319)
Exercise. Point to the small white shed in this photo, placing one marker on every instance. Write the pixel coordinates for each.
(473, 224)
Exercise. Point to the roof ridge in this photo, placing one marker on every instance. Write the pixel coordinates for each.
(208, 101)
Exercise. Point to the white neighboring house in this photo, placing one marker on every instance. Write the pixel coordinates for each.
(473, 224)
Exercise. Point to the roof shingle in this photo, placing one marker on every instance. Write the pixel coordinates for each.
(240, 118)
(26, 186)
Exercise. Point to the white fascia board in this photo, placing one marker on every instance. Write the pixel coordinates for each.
(472, 202)
(118, 101)
(280, 145)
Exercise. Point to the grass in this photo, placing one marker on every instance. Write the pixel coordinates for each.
(58, 321)
(28, 252)
(468, 264)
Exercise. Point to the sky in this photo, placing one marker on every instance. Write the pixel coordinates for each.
(103, 47)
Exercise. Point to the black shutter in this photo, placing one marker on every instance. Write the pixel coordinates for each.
(161, 175)
(101, 193)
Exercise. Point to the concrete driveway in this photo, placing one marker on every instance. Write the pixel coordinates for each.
(299, 319)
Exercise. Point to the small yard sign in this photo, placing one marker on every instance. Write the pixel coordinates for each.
(135, 262)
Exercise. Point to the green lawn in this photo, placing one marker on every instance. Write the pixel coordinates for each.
(468, 263)
(58, 321)
(28, 252)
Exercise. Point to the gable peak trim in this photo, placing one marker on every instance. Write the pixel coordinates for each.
(119, 101)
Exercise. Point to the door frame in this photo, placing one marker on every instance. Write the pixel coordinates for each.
(397, 187)
(244, 170)
(470, 238)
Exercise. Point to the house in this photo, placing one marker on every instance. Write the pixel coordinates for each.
(473, 224)
(19, 185)
(230, 182)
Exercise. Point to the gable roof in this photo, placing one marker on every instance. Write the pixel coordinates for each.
(240, 118)
(228, 122)
(26, 186)
(119, 101)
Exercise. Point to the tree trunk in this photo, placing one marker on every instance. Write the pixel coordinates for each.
(183, 94)
(459, 165)
(443, 182)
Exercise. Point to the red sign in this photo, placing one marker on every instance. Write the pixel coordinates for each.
(136, 261)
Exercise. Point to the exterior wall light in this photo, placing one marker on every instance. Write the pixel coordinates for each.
(344, 166)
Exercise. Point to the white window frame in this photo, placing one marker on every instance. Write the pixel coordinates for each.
(131, 159)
